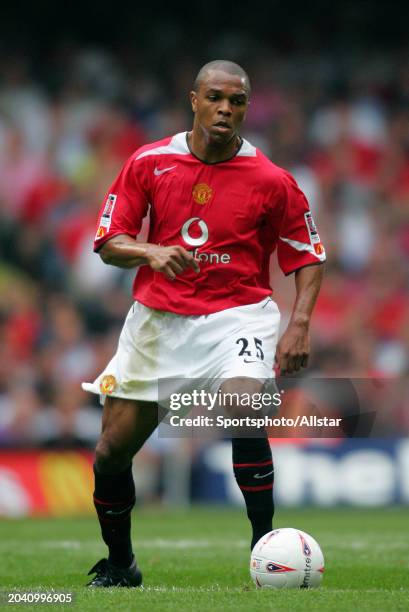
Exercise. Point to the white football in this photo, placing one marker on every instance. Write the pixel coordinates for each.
(287, 558)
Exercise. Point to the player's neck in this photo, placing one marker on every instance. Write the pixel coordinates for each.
(212, 152)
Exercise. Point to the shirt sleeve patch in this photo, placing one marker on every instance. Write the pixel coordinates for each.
(312, 228)
(313, 234)
(106, 217)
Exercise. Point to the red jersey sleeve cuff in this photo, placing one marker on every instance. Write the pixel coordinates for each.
(291, 259)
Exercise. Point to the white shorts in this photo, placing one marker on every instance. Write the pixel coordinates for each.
(156, 344)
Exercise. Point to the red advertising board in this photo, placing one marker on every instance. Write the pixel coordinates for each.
(52, 483)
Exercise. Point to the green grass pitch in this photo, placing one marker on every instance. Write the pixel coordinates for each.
(197, 560)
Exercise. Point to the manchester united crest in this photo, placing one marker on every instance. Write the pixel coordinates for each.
(100, 232)
(202, 193)
(108, 384)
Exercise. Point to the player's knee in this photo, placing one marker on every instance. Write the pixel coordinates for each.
(239, 396)
(238, 409)
(111, 458)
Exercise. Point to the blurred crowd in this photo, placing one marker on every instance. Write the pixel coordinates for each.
(343, 133)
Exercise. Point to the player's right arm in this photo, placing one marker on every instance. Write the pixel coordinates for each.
(120, 221)
(124, 252)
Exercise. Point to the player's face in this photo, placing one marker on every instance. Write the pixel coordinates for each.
(220, 106)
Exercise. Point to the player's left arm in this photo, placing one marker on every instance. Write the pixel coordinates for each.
(299, 251)
(293, 348)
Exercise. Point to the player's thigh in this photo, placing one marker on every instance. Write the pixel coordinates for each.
(126, 425)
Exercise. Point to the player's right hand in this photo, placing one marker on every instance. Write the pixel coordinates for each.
(170, 260)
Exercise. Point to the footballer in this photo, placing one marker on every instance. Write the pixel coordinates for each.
(203, 305)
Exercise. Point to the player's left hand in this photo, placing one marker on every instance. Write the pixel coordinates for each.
(293, 349)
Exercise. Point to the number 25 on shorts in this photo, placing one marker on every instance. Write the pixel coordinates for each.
(246, 351)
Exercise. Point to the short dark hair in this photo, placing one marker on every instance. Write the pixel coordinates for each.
(225, 66)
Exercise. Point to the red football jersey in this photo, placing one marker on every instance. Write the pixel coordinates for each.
(231, 215)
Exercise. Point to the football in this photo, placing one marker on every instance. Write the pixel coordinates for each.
(287, 558)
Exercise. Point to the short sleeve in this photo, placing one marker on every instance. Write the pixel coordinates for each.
(126, 203)
(299, 243)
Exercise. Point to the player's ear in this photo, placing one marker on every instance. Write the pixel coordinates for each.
(193, 100)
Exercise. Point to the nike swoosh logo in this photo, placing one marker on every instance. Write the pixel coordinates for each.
(120, 511)
(250, 361)
(263, 475)
(158, 172)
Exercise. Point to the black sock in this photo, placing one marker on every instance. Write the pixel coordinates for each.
(114, 498)
(254, 472)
